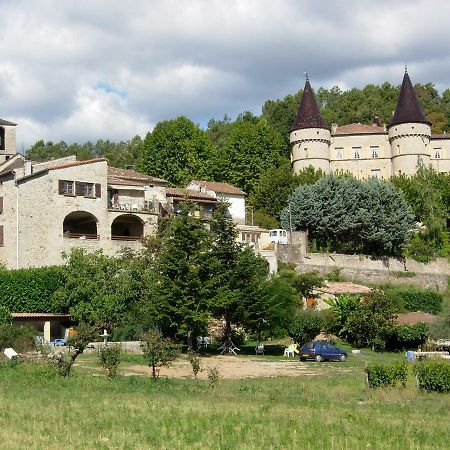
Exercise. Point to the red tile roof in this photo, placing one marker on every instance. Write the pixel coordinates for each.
(76, 163)
(40, 316)
(358, 128)
(188, 193)
(221, 188)
(128, 174)
(411, 318)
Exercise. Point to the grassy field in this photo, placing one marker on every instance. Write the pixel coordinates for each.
(331, 410)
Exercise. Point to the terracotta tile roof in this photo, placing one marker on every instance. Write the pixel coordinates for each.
(222, 188)
(189, 193)
(128, 174)
(358, 128)
(411, 318)
(440, 136)
(123, 182)
(16, 164)
(408, 108)
(40, 316)
(308, 113)
(5, 122)
(76, 163)
(337, 288)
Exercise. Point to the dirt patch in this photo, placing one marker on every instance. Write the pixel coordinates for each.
(232, 367)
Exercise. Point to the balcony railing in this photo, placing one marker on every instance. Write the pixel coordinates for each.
(125, 238)
(71, 235)
(146, 207)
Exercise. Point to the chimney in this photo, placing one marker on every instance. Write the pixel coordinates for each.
(376, 122)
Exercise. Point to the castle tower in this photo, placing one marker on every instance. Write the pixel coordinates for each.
(409, 132)
(310, 136)
(7, 140)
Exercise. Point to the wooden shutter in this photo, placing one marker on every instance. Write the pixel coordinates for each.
(61, 187)
(98, 190)
(1, 205)
(79, 188)
(2, 240)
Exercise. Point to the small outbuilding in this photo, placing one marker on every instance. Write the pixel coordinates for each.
(50, 325)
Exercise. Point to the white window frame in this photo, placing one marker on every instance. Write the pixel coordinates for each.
(356, 152)
(375, 150)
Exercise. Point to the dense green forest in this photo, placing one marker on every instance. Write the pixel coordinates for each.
(252, 152)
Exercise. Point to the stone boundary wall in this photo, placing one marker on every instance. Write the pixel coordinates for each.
(433, 275)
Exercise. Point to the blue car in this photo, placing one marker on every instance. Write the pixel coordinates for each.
(321, 351)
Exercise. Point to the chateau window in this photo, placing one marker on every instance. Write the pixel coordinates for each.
(356, 152)
(306, 153)
(375, 152)
(2, 239)
(339, 152)
(375, 173)
(89, 190)
(437, 153)
(66, 187)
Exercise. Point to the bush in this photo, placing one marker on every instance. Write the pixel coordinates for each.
(408, 337)
(433, 375)
(383, 375)
(30, 290)
(5, 316)
(306, 325)
(21, 339)
(109, 358)
(415, 299)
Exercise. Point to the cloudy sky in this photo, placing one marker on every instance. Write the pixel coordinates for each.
(96, 69)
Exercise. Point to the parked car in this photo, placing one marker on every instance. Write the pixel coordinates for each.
(321, 350)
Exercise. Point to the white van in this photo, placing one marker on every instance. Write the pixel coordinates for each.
(278, 236)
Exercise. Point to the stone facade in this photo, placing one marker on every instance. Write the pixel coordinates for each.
(368, 150)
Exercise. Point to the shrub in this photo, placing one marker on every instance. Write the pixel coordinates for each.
(415, 299)
(158, 351)
(21, 339)
(194, 359)
(306, 325)
(409, 336)
(383, 375)
(5, 316)
(213, 376)
(30, 290)
(433, 375)
(109, 358)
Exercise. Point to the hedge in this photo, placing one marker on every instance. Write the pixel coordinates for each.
(30, 290)
(414, 299)
(433, 375)
(383, 375)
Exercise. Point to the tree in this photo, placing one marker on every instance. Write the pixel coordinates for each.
(250, 149)
(99, 290)
(352, 216)
(183, 267)
(305, 325)
(275, 186)
(237, 274)
(178, 151)
(158, 351)
(372, 322)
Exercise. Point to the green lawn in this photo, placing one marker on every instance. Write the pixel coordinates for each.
(332, 410)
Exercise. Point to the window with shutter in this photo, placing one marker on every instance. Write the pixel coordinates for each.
(79, 188)
(89, 190)
(61, 187)
(2, 240)
(98, 190)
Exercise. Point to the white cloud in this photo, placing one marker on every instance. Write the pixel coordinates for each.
(200, 58)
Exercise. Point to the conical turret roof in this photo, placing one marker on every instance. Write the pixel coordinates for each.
(308, 113)
(408, 108)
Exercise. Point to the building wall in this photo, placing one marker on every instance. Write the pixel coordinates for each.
(10, 142)
(397, 152)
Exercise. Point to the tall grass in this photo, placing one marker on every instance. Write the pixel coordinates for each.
(330, 411)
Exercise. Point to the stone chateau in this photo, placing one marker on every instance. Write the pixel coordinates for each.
(368, 150)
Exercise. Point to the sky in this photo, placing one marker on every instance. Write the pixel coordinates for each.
(103, 69)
